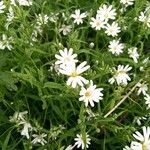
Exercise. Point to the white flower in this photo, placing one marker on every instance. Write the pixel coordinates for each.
(123, 9)
(78, 18)
(74, 74)
(97, 23)
(144, 63)
(70, 147)
(106, 12)
(147, 6)
(66, 57)
(25, 2)
(136, 146)
(65, 29)
(5, 43)
(127, 148)
(121, 75)
(2, 7)
(145, 17)
(26, 128)
(112, 29)
(142, 17)
(10, 17)
(147, 98)
(54, 17)
(42, 19)
(115, 47)
(55, 131)
(133, 54)
(91, 45)
(37, 30)
(12, 2)
(143, 140)
(82, 141)
(91, 94)
(90, 114)
(139, 120)
(143, 88)
(39, 138)
(127, 2)
(18, 117)
(55, 67)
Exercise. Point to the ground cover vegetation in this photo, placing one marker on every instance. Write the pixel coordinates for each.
(74, 74)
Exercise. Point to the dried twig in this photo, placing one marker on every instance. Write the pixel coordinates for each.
(122, 100)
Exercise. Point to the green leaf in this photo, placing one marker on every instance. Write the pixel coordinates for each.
(8, 81)
(4, 146)
(53, 85)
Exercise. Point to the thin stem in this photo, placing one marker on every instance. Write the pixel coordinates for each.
(122, 100)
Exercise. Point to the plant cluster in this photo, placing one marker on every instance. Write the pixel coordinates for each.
(74, 74)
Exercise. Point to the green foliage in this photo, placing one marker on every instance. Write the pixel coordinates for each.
(27, 81)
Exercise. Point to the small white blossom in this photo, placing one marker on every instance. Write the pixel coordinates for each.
(115, 47)
(91, 94)
(143, 140)
(147, 6)
(127, 2)
(25, 2)
(133, 54)
(145, 18)
(66, 57)
(27, 127)
(142, 17)
(143, 88)
(42, 19)
(12, 2)
(5, 43)
(91, 45)
(55, 131)
(139, 120)
(90, 114)
(10, 17)
(37, 30)
(54, 17)
(127, 148)
(18, 117)
(74, 74)
(147, 102)
(97, 23)
(123, 9)
(65, 29)
(39, 138)
(106, 12)
(70, 147)
(112, 29)
(82, 141)
(2, 7)
(78, 17)
(121, 75)
(144, 63)
(55, 67)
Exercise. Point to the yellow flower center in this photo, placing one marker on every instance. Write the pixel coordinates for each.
(97, 23)
(88, 93)
(74, 74)
(114, 48)
(121, 72)
(106, 15)
(110, 30)
(67, 59)
(144, 147)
